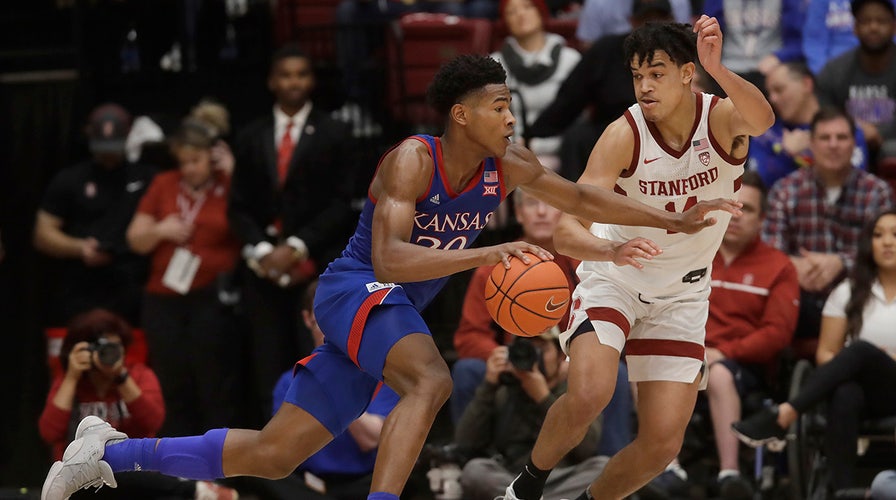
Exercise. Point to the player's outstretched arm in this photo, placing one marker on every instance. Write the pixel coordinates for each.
(402, 177)
(745, 111)
(597, 202)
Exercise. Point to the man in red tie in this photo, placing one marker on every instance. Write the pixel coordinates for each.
(290, 208)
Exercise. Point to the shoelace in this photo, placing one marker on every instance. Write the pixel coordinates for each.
(87, 481)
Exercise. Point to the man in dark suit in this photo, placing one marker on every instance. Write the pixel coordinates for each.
(290, 207)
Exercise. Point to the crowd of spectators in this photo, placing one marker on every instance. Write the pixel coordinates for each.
(213, 261)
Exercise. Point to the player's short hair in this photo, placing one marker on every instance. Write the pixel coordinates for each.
(289, 51)
(460, 77)
(828, 113)
(675, 39)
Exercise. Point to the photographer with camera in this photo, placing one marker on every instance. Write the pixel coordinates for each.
(502, 421)
(96, 379)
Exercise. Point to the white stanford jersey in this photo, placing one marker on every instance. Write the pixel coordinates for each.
(675, 181)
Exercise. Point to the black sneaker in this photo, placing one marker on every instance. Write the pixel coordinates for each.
(665, 486)
(761, 429)
(735, 487)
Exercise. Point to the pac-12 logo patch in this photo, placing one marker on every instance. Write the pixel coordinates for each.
(704, 158)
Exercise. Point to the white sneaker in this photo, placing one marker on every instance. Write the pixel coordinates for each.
(510, 495)
(81, 466)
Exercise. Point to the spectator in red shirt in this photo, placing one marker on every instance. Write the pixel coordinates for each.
(182, 223)
(96, 381)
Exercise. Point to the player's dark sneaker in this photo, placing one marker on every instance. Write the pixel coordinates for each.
(761, 429)
(735, 487)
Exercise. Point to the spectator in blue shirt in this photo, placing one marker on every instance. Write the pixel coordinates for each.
(828, 32)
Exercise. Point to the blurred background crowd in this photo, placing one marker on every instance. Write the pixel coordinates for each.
(176, 173)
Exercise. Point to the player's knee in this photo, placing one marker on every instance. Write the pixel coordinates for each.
(437, 382)
(276, 464)
(664, 450)
(585, 406)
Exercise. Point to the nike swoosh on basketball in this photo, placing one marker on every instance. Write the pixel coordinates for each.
(551, 306)
(646, 161)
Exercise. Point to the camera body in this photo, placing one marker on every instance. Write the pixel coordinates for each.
(108, 352)
(523, 354)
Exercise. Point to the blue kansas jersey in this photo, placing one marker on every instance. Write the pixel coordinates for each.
(443, 219)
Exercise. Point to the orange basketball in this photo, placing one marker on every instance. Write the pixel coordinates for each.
(526, 299)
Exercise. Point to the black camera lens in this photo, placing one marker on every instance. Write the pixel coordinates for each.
(523, 354)
(109, 353)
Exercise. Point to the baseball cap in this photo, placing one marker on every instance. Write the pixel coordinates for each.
(856, 5)
(107, 128)
(642, 8)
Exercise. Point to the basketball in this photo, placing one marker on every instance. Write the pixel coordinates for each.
(527, 299)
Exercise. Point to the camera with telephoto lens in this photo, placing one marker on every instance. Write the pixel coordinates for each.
(523, 354)
(108, 352)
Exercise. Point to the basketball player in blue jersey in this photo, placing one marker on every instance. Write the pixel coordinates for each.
(670, 150)
(429, 199)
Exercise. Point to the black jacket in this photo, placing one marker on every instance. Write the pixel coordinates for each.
(314, 202)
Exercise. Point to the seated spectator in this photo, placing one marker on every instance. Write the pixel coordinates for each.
(478, 336)
(181, 223)
(855, 358)
(863, 80)
(97, 380)
(784, 147)
(815, 216)
(503, 419)
(82, 220)
(536, 63)
(343, 469)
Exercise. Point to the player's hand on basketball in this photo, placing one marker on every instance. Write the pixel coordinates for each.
(709, 43)
(518, 249)
(630, 252)
(694, 219)
(496, 364)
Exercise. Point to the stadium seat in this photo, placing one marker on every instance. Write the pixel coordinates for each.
(311, 23)
(418, 45)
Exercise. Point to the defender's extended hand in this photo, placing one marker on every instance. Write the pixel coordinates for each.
(694, 219)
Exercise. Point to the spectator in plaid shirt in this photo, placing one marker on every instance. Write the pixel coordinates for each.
(816, 214)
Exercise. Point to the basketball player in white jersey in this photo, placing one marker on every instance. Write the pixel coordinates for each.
(642, 289)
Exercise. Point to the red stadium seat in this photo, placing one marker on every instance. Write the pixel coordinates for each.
(418, 46)
(308, 22)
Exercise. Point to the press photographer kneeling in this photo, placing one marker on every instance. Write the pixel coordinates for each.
(502, 422)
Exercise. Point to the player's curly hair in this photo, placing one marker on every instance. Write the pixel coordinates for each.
(677, 40)
(459, 77)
